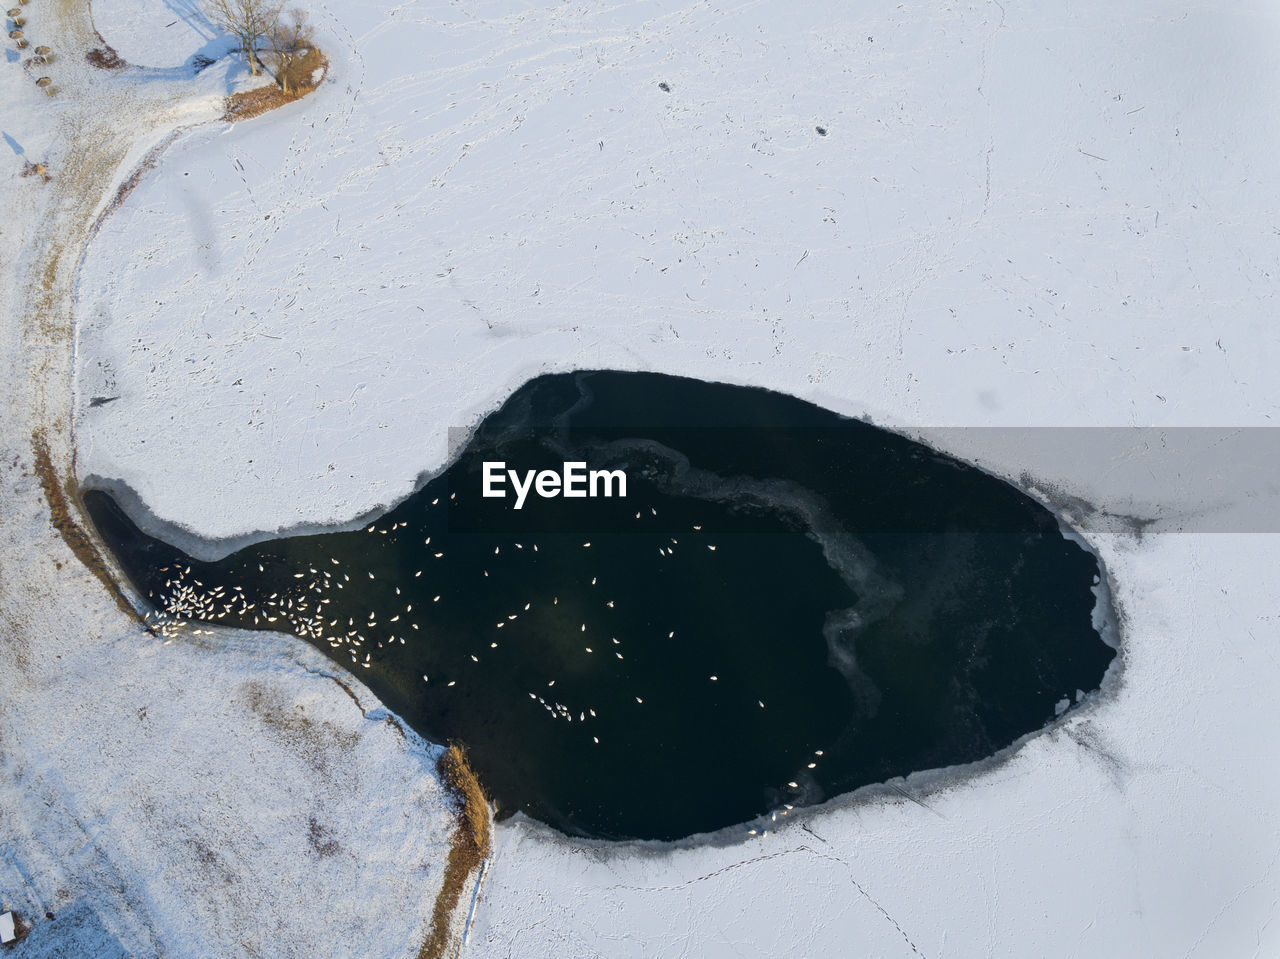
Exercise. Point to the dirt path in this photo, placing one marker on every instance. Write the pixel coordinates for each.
(104, 118)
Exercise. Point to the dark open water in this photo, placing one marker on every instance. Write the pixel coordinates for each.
(870, 608)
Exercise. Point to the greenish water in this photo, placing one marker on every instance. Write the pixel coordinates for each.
(787, 605)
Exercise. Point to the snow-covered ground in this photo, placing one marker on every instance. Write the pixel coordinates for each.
(1049, 216)
(159, 33)
(1030, 217)
(234, 797)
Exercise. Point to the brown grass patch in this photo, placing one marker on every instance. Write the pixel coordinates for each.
(469, 848)
(62, 502)
(304, 73)
(251, 103)
(105, 58)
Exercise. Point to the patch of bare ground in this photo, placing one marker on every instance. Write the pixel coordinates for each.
(321, 840)
(105, 58)
(312, 69)
(61, 511)
(35, 169)
(468, 850)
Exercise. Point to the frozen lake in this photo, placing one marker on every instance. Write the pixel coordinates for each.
(786, 605)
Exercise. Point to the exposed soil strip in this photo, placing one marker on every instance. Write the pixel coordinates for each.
(469, 849)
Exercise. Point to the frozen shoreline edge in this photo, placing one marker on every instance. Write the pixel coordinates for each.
(214, 548)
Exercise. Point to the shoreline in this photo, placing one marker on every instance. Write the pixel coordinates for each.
(917, 786)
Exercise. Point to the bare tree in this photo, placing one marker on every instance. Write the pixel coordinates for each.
(250, 21)
(290, 40)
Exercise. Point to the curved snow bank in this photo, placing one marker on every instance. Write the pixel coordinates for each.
(1011, 218)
